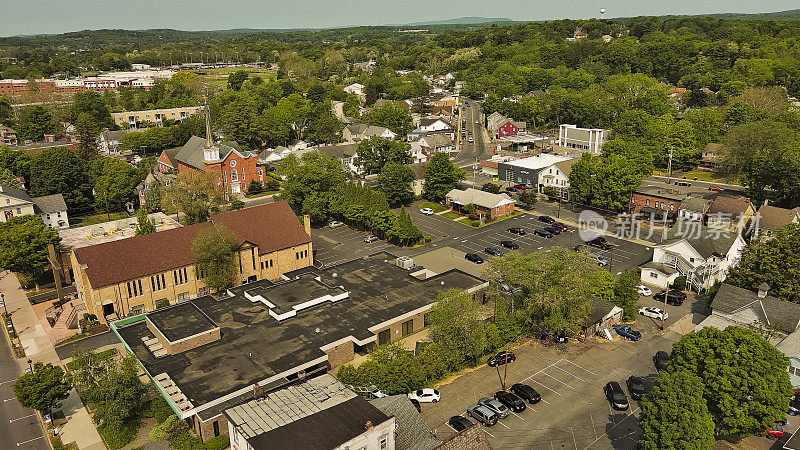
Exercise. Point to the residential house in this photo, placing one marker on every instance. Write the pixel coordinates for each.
(584, 139)
(419, 177)
(703, 255)
(412, 433)
(346, 153)
(426, 146)
(357, 132)
(16, 202)
(771, 219)
(535, 93)
(108, 141)
(161, 178)
(156, 116)
(693, 209)
(435, 124)
(493, 121)
(8, 136)
(131, 276)
(557, 177)
(730, 213)
(486, 203)
(320, 413)
(712, 157)
(355, 89)
(208, 355)
(656, 204)
(532, 171)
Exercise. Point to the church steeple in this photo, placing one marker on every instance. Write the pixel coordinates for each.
(209, 137)
(210, 151)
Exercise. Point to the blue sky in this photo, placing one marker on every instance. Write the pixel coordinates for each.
(51, 16)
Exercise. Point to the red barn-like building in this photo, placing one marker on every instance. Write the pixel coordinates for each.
(511, 128)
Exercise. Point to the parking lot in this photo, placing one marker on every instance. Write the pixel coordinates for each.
(573, 412)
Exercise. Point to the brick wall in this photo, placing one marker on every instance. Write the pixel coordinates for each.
(205, 430)
(341, 354)
(639, 201)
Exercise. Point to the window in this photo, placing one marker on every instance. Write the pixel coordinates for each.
(242, 173)
(408, 327)
(647, 202)
(261, 174)
(19, 210)
(234, 176)
(691, 260)
(653, 275)
(384, 441)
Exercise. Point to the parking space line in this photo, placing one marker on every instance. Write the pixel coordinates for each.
(580, 367)
(501, 423)
(559, 368)
(20, 418)
(565, 384)
(9, 399)
(512, 412)
(9, 381)
(29, 440)
(490, 434)
(547, 389)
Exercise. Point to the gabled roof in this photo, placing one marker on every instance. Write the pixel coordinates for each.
(170, 154)
(519, 124)
(478, 198)
(108, 135)
(600, 310)
(426, 121)
(338, 151)
(566, 166)
(19, 194)
(270, 227)
(437, 140)
(735, 206)
(775, 218)
(419, 170)
(661, 267)
(705, 242)
(695, 204)
(191, 153)
(412, 431)
(356, 128)
(375, 130)
(50, 204)
(781, 314)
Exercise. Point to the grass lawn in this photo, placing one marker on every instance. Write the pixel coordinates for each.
(452, 215)
(436, 207)
(261, 194)
(219, 77)
(93, 219)
(707, 175)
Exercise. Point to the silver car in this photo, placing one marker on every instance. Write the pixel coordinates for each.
(482, 414)
(498, 408)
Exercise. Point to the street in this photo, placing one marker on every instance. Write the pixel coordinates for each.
(19, 426)
(470, 151)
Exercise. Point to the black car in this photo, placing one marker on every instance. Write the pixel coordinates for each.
(600, 242)
(546, 219)
(513, 402)
(678, 293)
(517, 230)
(661, 360)
(553, 230)
(474, 257)
(416, 404)
(560, 225)
(672, 298)
(579, 247)
(526, 393)
(543, 233)
(509, 244)
(494, 251)
(511, 189)
(616, 396)
(459, 423)
(636, 387)
(501, 358)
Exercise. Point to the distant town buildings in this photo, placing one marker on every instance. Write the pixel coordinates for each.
(144, 79)
(155, 116)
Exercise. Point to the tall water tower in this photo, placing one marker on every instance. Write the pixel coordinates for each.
(602, 12)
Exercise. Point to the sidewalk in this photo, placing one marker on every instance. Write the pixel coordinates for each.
(79, 427)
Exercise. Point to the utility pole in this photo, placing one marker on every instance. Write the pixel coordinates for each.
(666, 294)
(669, 167)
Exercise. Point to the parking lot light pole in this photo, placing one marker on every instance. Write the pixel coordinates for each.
(3, 299)
(665, 309)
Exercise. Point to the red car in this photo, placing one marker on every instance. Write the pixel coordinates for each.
(775, 432)
(715, 188)
(520, 187)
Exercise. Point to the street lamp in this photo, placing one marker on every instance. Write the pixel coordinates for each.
(3, 300)
(30, 365)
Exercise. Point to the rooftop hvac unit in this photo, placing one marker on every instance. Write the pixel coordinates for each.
(405, 262)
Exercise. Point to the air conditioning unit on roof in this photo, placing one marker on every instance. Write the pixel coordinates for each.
(405, 262)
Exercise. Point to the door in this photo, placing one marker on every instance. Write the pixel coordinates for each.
(383, 337)
(235, 188)
(108, 309)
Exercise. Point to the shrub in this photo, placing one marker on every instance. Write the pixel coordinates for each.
(237, 204)
(218, 443)
(427, 239)
(474, 217)
(186, 442)
(120, 436)
(679, 283)
(170, 429)
(159, 409)
(162, 303)
(272, 184)
(474, 223)
(254, 187)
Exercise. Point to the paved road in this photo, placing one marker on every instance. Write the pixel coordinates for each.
(19, 427)
(94, 342)
(470, 151)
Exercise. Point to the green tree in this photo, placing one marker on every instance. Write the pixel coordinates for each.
(391, 115)
(395, 182)
(59, 170)
(455, 324)
(88, 133)
(528, 196)
(309, 182)
(773, 262)
(115, 183)
(390, 368)
(152, 196)
(43, 389)
(94, 107)
(326, 129)
(491, 187)
(551, 193)
(675, 415)
(441, 177)
(87, 368)
(195, 194)
(604, 181)
(373, 154)
(23, 245)
(626, 296)
(119, 395)
(35, 122)
(404, 231)
(143, 224)
(9, 179)
(745, 383)
(215, 253)
(236, 79)
(603, 284)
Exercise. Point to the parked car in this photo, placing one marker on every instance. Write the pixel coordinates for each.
(335, 224)
(715, 188)
(459, 423)
(494, 251)
(561, 226)
(775, 432)
(501, 358)
(627, 332)
(509, 244)
(513, 402)
(672, 298)
(794, 406)
(520, 187)
(517, 230)
(636, 387)
(511, 189)
(661, 360)
(426, 395)
(654, 313)
(601, 261)
(470, 140)
(496, 407)
(371, 238)
(683, 183)
(474, 257)
(600, 242)
(482, 414)
(616, 396)
(526, 393)
(416, 404)
(546, 219)
(644, 290)
(426, 211)
(553, 230)
(543, 233)
(579, 247)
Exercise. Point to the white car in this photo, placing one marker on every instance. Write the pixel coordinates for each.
(426, 211)
(655, 313)
(601, 261)
(335, 224)
(426, 395)
(644, 290)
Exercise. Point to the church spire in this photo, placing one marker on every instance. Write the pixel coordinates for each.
(209, 137)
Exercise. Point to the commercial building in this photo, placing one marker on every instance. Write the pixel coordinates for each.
(532, 171)
(585, 139)
(656, 204)
(320, 413)
(208, 355)
(8, 136)
(156, 116)
(130, 276)
(486, 204)
(16, 202)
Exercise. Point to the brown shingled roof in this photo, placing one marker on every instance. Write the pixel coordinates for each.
(271, 227)
(735, 206)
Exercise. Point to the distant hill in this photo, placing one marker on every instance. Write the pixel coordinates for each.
(791, 14)
(460, 21)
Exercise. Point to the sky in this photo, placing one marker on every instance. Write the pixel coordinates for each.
(22, 17)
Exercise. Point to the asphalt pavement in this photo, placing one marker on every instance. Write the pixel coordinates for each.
(19, 426)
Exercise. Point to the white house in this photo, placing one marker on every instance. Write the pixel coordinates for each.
(355, 89)
(16, 202)
(703, 255)
(356, 132)
(426, 146)
(585, 139)
(557, 176)
(432, 124)
(346, 153)
(693, 209)
(108, 141)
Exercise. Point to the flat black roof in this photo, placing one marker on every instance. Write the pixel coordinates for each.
(254, 346)
(180, 321)
(288, 294)
(335, 426)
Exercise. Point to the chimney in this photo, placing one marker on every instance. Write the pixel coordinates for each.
(307, 224)
(368, 425)
(762, 290)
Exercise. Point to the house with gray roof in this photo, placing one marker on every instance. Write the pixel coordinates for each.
(357, 132)
(346, 153)
(771, 219)
(693, 209)
(425, 146)
(486, 204)
(412, 432)
(701, 254)
(108, 141)
(16, 202)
